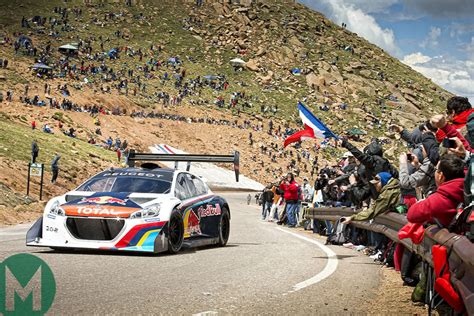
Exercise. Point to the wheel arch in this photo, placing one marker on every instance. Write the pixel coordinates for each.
(226, 206)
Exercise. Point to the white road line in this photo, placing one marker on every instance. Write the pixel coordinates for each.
(12, 233)
(329, 269)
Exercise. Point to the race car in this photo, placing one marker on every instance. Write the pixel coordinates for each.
(145, 209)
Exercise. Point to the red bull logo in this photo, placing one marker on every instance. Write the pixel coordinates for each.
(103, 200)
(210, 210)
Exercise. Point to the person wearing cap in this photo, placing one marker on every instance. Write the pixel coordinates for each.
(388, 199)
(350, 165)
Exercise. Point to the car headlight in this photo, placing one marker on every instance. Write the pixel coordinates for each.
(148, 212)
(56, 209)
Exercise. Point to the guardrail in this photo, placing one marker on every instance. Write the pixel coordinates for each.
(461, 259)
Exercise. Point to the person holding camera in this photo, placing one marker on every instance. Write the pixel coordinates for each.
(373, 161)
(290, 194)
(388, 199)
(422, 166)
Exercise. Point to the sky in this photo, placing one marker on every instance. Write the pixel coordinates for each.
(434, 37)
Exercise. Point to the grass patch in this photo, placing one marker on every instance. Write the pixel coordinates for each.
(16, 139)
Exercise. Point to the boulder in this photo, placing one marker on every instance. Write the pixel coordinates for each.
(261, 51)
(314, 81)
(252, 65)
(294, 41)
(266, 79)
(220, 9)
(366, 73)
(356, 65)
(242, 44)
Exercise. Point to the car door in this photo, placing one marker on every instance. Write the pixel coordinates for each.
(186, 192)
(207, 211)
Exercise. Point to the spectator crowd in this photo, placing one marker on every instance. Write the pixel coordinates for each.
(430, 184)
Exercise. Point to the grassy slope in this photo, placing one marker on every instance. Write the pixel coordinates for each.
(16, 139)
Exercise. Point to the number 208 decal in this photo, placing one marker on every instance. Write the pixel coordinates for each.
(51, 229)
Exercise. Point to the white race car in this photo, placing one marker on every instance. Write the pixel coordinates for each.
(146, 209)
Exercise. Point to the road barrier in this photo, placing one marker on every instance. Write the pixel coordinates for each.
(461, 249)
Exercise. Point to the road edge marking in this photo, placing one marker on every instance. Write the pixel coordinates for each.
(329, 269)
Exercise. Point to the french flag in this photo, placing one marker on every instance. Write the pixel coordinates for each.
(314, 128)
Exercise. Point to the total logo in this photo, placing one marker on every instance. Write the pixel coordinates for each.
(103, 200)
(82, 210)
(210, 210)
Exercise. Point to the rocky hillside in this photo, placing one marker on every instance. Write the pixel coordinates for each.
(168, 62)
(336, 65)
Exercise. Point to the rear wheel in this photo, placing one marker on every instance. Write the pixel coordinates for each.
(175, 232)
(224, 227)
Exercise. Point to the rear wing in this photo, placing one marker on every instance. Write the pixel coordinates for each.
(235, 159)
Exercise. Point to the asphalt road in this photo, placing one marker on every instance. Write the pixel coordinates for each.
(256, 273)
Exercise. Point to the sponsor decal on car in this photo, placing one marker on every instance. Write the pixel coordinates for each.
(191, 224)
(210, 210)
(132, 174)
(151, 220)
(103, 200)
(102, 204)
(99, 211)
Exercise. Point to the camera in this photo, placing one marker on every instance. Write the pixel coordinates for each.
(410, 157)
(449, 143)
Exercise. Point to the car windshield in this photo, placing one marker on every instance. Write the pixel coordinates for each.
(126, 184)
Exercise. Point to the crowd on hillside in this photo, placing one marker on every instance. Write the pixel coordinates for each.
(100, 65)
(92, 62)
(431, 184)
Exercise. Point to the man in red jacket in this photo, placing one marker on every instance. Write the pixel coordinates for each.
(441, 205)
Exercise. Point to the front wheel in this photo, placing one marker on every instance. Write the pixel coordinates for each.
(175, 232)
(224, 227)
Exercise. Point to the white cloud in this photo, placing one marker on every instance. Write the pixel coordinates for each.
(458, 29)
(416, 58)
(359, 21)
(379, 6)
(455, 76)
(432, 39)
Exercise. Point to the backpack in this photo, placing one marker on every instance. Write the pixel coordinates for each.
(339, 234)
(463, 223)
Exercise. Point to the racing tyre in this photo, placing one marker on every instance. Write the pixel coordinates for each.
(175, 232)
(224, 228)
